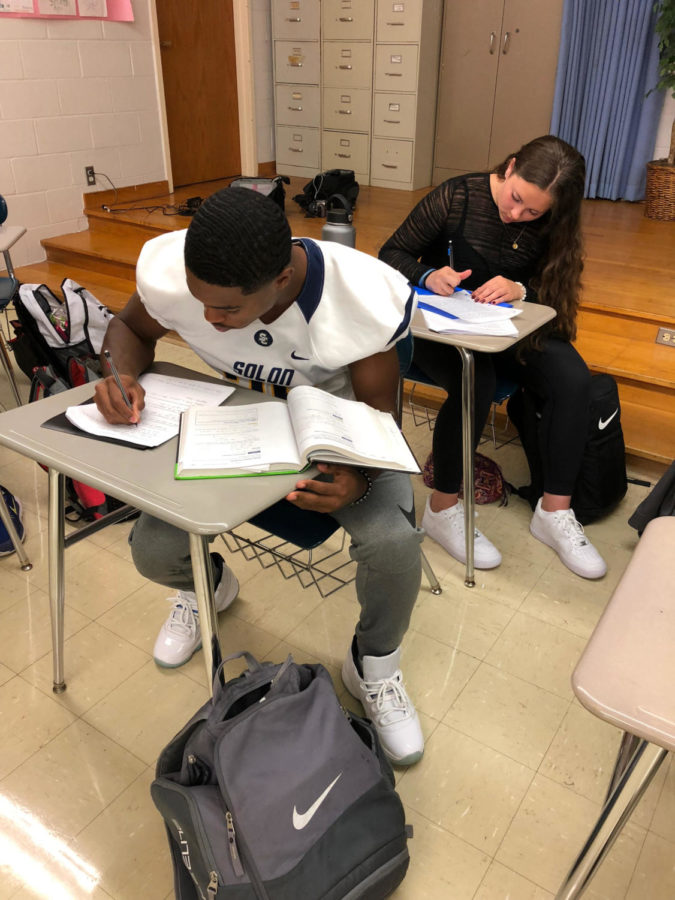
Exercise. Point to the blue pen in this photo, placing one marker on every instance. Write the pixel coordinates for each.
(451, 261)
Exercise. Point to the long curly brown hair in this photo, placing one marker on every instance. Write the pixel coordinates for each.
(555, 166)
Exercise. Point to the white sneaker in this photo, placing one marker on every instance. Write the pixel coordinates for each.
(180, 636)
(447, 529)
(386, 704)
(561, 531)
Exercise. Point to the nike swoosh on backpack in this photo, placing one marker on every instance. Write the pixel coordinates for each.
(295, 356)
(602, 425)
(301, 820)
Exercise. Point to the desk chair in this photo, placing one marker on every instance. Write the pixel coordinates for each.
(624, 677)
(9, 235)
(305, 545)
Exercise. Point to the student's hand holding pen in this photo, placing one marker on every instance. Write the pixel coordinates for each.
(119, 398)
(444, 281)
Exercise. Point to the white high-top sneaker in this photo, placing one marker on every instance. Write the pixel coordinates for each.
(386, 703)
(180, 636)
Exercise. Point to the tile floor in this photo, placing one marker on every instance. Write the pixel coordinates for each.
(514, 770)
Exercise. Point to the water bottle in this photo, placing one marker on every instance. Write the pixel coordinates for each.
(339, 227)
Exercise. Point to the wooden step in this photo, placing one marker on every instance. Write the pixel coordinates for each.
(110, 290)
(112, 254)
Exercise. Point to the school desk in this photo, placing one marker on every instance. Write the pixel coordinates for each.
(533, 316)
(144, 479)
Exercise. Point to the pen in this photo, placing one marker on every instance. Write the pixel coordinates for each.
(116, 376)
(451, 261)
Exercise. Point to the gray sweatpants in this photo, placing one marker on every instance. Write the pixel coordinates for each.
(384, 542)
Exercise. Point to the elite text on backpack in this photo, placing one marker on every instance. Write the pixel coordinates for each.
(272, 791)
(51, 331)
(601, 483)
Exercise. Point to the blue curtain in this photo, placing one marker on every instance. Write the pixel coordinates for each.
(608, 63)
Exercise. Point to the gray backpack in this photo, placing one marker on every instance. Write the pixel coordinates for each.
(273, 791)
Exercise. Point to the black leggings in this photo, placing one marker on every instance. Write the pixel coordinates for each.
(557, 375)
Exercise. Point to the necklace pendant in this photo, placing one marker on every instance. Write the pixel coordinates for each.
(515, 245)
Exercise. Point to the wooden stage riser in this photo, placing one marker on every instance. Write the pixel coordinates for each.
(647, 417)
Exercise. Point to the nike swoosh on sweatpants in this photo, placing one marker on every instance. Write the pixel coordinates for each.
(295, 356)
(301, 820)
(602, 425)
(408, 514)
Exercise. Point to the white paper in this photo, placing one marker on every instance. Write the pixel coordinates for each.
(57, 8)
(16, 6)
(165, 399)
(463, 306)
(256, 437)
(98, 8)
(325, 421)
(443, 325)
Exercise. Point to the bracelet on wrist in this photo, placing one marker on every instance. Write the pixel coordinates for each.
(423, 280)
(369, 487)
(523, 290)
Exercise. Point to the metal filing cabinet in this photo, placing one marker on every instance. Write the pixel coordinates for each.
(296, 28)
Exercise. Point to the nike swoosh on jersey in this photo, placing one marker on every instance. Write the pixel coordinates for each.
(301, 820)
(295, 356)
(602, 425)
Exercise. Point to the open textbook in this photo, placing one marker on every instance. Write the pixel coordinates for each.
(166, 398)
(461, 314)
(275, 438)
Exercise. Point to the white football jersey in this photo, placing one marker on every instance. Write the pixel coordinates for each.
(350, 307)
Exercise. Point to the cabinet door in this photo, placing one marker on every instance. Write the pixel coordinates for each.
(469, 60)
(528, 57)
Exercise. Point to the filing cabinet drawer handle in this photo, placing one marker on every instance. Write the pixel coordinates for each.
(394, 74)
(297, 65)
(295, 108)
(346, 19)
(298, 19)
(388, 166)
(344, 112)
(344, 67)
(393, 121)
(295, 149)
(395, 23)
(492, 43)
(344, 155)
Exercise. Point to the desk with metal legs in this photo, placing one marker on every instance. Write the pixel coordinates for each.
(144, 479)
(532, 317)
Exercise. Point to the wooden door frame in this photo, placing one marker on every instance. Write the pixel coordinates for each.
(243, 44)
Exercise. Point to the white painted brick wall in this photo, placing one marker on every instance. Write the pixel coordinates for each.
(73, 94)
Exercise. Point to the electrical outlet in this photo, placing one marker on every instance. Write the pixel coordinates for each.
(90, 174)
(666, 336)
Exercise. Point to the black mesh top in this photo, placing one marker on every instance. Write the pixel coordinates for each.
(462, 210)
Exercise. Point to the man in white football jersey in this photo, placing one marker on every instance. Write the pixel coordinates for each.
(271, 312)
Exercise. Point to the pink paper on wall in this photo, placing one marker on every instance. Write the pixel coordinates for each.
(115, 10)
